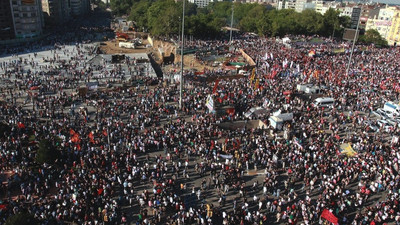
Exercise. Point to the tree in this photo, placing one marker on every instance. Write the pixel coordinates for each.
(330, 22)
(283, 22)
(221, 9)
(249, 22)
(47, 152)
(138, 14)
(372, 36)
(311, 22)
(121, 7)
(203, 25)
(22, 218)
(163, 17)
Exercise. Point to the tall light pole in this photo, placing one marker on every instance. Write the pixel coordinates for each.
(230, 33)
(182, 45)
(354, 43)
(179, 37)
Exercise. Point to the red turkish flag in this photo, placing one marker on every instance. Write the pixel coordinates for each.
(91, 137)
(215, 86)
(21, 125)
(326, 214)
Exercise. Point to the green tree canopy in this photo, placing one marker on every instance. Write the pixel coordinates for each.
(164, 18)
(310, 22)
(138, 14)
(121, 7)
(47, 152)
(249, 21)
(372, 36)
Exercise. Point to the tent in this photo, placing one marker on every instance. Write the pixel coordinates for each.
(347, 150)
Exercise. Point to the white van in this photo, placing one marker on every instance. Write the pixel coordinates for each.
(313, 90)
(323, 102)
(392, 109)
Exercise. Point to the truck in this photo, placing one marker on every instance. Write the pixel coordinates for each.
(313, 90)
(255, 111)
(324, 102)
(303, 87)
(278, 119)
(285, 116)
(392, 107)
(126, 45)
(308, 89)
(122, 35)
(276, 122)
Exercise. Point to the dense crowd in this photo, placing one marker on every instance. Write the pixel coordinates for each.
(130, 155)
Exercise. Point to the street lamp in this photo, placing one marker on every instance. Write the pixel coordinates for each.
(182, 45)
(230, 33)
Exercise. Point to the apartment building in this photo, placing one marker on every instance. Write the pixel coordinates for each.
(79, 7)
(383, 22)
(393, 37)
(201, 3)
(6, 21)
(56, 12)
(27, 18)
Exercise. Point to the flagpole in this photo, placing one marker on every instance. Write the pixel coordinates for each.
(108, 139)
(182, 45)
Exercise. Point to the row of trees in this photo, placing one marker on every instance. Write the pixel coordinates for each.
(164, 18)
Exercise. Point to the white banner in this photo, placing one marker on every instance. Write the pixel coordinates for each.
(210, 103)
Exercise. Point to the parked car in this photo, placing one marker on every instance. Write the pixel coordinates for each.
(371, 126)
(391, 121)
(380, 113)
(385, 125)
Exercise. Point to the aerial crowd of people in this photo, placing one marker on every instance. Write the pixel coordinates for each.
(128, 154)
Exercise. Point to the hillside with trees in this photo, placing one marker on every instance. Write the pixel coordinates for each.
(164, 18)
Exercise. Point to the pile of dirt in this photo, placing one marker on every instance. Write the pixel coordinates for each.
(169, 49)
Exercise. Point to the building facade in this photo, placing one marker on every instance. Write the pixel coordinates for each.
(201, 3)
(27, 18)
(301, 5)
(56, 12)
(393, 37)
(347, 10)
(6, 21)
(79, 7)
(383, 22)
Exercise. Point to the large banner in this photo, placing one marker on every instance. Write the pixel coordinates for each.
(247, 58)
(210, 103)
(326, 214)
